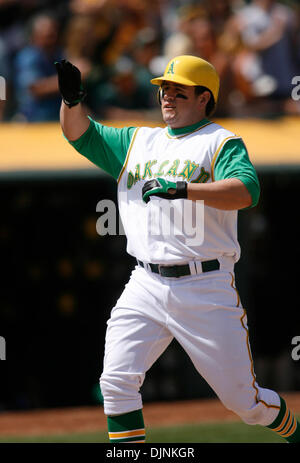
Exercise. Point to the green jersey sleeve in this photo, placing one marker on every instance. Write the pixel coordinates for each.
(233, 162)
(104, 146)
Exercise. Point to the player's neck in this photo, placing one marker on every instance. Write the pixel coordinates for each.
(187, 129)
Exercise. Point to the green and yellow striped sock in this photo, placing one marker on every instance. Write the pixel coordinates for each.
(286, 424)
(128, 427)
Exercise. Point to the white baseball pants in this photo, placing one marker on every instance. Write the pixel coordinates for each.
(204, 314)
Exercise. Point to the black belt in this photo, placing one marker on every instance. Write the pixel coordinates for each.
(177, 271)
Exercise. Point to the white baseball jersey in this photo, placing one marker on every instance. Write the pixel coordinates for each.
(169, 232)
(163, 231)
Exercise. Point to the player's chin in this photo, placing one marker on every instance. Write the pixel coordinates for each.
(169, 115)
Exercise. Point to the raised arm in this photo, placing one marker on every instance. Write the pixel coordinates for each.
(74, 121)
(73, 116)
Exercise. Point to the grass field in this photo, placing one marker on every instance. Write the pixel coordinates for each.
(230, 432)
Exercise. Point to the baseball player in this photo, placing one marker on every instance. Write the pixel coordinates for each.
(179, 192)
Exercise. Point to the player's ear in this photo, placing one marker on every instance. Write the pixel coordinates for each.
(203, 100)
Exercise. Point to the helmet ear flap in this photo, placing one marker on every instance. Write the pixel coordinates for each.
(159, 96)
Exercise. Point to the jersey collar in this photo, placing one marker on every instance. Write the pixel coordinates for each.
(182, 131)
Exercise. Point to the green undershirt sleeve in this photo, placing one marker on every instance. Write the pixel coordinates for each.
(233, 162)
(104, 146)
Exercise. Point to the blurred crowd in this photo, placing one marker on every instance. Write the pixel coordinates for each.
(119, 45)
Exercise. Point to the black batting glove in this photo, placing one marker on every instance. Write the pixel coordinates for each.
(164, 189)
(69, 82)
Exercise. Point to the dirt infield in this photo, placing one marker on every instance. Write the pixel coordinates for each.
(88, 419)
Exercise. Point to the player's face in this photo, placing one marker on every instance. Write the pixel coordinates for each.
(180, 105)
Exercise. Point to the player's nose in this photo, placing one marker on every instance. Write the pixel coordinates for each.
(168, 95)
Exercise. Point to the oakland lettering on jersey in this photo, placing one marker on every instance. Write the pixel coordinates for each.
(176, 168)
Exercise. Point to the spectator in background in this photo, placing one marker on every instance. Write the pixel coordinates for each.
(4, 74)
(123, 97)
(90, 30)
(83, 7)
(79, 38)
(177, 44)
(145, 49)
(219, 12)
(97, 38)
(207, 46)
(80, 42)
(179, 41)
(197, 36)
(35, 78)
(126, 18)
(245, 44)
(86, 39)
(264, 33)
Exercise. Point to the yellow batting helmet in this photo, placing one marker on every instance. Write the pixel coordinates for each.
(193, 71)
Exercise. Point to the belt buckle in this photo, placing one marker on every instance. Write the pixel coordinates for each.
(160, 267)
(154, 268)
(174, 271)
